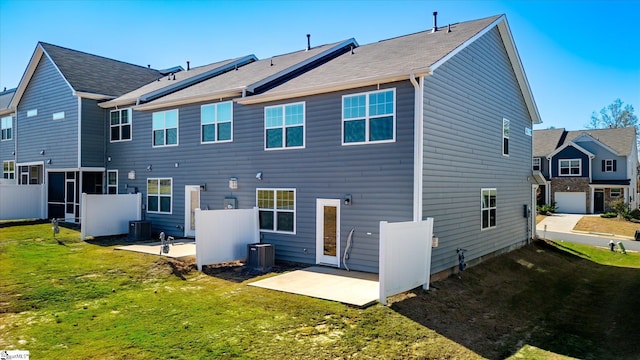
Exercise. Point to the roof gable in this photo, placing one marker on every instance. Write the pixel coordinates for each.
(620, 141)
(87, 75)
(5, 101)
(573, 145)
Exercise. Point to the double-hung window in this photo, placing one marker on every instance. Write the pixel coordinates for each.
(9, 170)
(369, 117)
(216, 122)
(112, 181)
(159, 195)
(165, 128)
(284, 126)
(609, 165)
(488, 208)
(535, 164)
(506, 128)
(277, 209)
(6, 124)
(570, 167)
(120, 125)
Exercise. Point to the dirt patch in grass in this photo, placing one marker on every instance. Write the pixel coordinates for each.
(615, 226)
(238, 272)
(538, 295)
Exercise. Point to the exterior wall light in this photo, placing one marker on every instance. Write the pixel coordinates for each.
(348, 199)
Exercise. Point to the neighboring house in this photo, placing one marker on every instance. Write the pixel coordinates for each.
(60, 130)
(330, 141)
(7, 138)
(585, 170)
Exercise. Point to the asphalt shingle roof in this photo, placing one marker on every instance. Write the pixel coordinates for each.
(96, 74)
(400, 55)
(619, 139)
(5, 98)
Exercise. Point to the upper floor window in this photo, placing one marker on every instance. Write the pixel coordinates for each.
(159, 195)
(506, 128)
(535, 165)
(284, 126)
(165, 128)
(9, 170)
(112, 181)
(6, 124)
(570, 167)
(277, 210)
(369, 117)
(32, 112)
(609, 165)
(120, 125)
(216, 122)
(58, 115)
(488, 208)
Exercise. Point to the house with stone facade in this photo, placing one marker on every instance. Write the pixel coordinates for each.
(584, 171)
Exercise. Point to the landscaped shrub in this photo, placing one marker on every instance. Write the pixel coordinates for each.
(546, 208)
(621, 208)
(635, 214)
(609, 215)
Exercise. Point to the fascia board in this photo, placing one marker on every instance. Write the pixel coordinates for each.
(190, 100)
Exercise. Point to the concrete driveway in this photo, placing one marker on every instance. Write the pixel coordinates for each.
(559, 223)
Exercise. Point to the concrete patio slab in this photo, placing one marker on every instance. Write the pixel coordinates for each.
(348, 287)
(181, 248)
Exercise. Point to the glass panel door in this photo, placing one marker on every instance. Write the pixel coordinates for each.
(328, 232)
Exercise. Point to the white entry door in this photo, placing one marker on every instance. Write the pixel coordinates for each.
(328, 232)
(191, 203)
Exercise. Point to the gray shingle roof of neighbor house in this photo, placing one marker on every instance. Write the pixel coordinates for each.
(252, 76)
(621, 140)
(95, 74)
(177, 81)
(398, 58)
(5, 100)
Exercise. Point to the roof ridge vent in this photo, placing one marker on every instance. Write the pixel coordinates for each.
(435, 22)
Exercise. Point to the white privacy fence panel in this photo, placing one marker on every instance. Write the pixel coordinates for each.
(223, 235)
(104, 215)
(22, 202)
(405, 256)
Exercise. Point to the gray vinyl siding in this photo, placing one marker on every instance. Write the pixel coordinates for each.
(603, 154)
(7, 147)
(94, 134)
(465, 101)
(378, 176)
(49, 93)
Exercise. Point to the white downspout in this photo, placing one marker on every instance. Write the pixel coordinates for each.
(418, 138)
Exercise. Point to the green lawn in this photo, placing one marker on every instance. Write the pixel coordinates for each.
(85, 300)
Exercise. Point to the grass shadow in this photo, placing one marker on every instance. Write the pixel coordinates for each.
(538, 295)
(239, 272)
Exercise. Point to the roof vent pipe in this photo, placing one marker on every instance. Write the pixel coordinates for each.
(188, 66)
(435, 21)
(308, 41)
(148, 66)
(449, 28)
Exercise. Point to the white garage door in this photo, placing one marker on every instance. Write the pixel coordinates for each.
(571, 202)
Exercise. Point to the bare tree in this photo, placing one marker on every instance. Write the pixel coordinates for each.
(614, 116)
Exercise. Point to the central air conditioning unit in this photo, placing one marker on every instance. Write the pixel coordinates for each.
(260, 257)
(139, 230)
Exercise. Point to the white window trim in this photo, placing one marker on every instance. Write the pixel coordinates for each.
(367, 118)
(533, 164)
(608, 164)
(3, 120)
(275, 210)
(58, 116)
(284, 127)
(112, 186)
(10, 172)
(120, 125)
(569, 160)
(32, 113)
(158, 195)
(506, 125)
(165, 129)
(215, 123)
(482, 209)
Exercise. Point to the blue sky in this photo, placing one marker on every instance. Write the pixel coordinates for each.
(579, 56)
